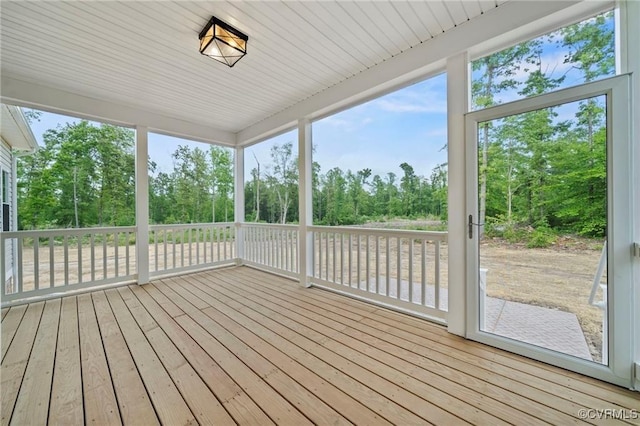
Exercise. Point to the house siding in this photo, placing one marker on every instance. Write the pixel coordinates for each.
(6, 165)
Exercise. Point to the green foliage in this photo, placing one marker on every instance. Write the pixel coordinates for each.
(541, 237)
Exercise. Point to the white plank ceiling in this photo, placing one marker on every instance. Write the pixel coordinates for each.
(144, 54)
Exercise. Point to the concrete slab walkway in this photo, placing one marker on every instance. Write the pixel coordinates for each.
(549, 328)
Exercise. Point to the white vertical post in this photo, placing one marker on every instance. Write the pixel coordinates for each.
(142, 204)
(14, 223)
(457, 106)
(305, 244)
(629, 62)
(238, 203)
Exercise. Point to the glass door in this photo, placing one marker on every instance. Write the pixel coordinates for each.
(543, 215)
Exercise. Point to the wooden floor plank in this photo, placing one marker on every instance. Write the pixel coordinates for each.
(557, 376)
(448, 359)
(10, 323)
(198, 303)
(167, 401)
(279, 409)
(436, 402)
(332, 396)
(100, 404)
(271, 332)
(203, 403)
(342, 343)
(32, 405)
(240, 346)
(66, 404)
(334, 303)
(310, 405)
(234, 399)
(15, 361)
(133, 400)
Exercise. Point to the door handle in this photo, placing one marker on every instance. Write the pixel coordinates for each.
(470, 226)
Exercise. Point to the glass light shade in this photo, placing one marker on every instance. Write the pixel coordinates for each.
(222, 42)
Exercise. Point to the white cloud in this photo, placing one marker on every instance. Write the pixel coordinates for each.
(414, 101)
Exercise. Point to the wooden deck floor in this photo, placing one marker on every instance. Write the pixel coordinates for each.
(241, 346)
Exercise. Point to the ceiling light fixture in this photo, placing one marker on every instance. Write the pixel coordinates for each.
(222, 42)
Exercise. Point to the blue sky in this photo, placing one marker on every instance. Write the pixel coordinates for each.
(409, 125)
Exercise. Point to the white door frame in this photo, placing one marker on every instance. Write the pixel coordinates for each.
(619, 218)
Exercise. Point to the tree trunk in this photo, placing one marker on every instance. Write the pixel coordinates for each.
(75, 195)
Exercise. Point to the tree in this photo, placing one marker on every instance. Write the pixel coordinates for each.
(282, 177)
(497, 75)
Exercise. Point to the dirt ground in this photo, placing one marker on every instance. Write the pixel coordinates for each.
(559, 277)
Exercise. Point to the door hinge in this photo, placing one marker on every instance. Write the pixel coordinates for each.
(636, 249)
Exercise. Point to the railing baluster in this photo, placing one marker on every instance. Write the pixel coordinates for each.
(398, 267)
(189, 233)
(116, 244)
(333, 240)
(20, 280)
(287, 249)
(104, 256)
(368, 267)
(349, 268)
(388, 270)
(342, 258)
(213, 230)
(126, 253)
(423, 278)
(218, 242)
(65, 244)
(197, 246)
(173, 249)
(437, 277)
(358, 266)
(93, 257)
(36, 262)
(326, 252)
(182, 248)
(80, 258)
(155, 248)
(410, 240)
(320, 255)
(204, 243)
(377, 264)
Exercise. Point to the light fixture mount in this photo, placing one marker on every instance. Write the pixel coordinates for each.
(222, 42)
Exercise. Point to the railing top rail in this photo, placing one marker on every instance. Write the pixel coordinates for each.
(192, 225)
(269, 225)
(403, 233)
(66, 231)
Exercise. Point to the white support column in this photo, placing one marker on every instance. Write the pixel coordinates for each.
(629, 62)
(238, 204)
(142, 204)
(305, 171)
(457, 106)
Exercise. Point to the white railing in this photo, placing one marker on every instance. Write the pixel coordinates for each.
(398, 268)
(271, 247)
(37, 263)
(185, 247)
